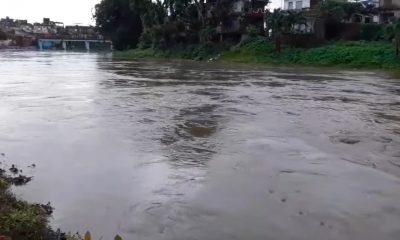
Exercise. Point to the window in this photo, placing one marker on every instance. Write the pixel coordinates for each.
(299, 4)
(290, 7)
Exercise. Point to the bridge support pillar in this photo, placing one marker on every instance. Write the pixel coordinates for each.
(87, 45)
(40, 44)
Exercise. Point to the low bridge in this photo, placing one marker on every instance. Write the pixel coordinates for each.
(74, 44)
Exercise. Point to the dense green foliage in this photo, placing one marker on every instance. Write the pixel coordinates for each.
(193, 51)
(372, 32)
(280, 22)
(359, 54)
(19, 219)
(116, 21)
(180, 29)
(161, 24)
(341, 10)
(3, 35)
(344, 54)
(393, 33)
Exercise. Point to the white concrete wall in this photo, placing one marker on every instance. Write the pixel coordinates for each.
(305, 4)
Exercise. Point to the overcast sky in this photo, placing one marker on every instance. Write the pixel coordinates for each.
(67, 11)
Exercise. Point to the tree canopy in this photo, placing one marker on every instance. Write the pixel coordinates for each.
(159, 22)
(117, 21)
(3, 35)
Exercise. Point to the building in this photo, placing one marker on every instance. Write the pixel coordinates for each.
(20, 33)
(388, 10)
(234, 16)
(24, 40)
(82, 32)
(300, 4)
(8, 24)
(47, 27)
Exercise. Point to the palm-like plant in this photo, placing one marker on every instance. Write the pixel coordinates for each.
(294, 19)
(276, 24)
(283, 22)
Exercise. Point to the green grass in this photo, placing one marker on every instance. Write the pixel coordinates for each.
(360, 54)
(193, 52)
(376, 55)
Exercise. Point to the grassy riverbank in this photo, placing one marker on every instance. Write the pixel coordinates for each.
(20, 219)
(371, 55)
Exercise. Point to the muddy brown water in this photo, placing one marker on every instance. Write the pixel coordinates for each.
(161, 150)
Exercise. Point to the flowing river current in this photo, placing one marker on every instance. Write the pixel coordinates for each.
(203, 151)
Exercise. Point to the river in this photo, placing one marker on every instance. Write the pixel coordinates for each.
(203, 151)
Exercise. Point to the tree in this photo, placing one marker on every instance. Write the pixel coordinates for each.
(341, 10)
(275, 24)
(283, 22)
(118, 22)
(393, 33)
(294, 19)
(3, 35)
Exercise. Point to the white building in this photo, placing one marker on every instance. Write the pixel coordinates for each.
(296, 4)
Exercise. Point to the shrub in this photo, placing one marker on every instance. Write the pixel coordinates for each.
(145, 40)
(256, 44)
(3, 35)
(252, 31)
(372, 32)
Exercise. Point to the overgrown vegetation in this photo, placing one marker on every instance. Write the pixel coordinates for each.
(3, 35)
(19, 219)
(187, 29)
(359, 54)
(393, 33)
(343, 54)
(119, 23)
(192, 51)
(163, 23)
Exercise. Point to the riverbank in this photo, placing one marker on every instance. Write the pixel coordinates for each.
(18, 218)
(359, 54)
(21, 220)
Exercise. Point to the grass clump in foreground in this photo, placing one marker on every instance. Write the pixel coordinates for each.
(20, 220)
(357, 54)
